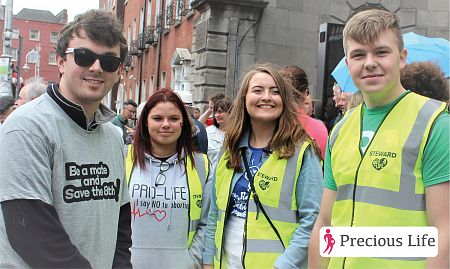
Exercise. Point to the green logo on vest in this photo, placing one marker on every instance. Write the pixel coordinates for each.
(199, 203)
(379, 163)
(264, 185)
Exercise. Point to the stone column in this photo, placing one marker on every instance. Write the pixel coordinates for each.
(219, 50)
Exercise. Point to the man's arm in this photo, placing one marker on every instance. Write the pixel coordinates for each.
(122, 256)
(37, 235)
(436, 174)
(324, 219)
(437, 201)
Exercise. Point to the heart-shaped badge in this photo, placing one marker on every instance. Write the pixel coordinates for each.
(379, 163)
(264, 185)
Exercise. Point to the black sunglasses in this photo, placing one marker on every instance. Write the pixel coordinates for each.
(161, 178)
(85, 57)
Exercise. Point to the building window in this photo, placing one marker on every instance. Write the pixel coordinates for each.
(149, 12)
(134, 29)
(176, 77)
(152, 85)
(157, 15)
(179, 10)
(15, 33)
(52, 57)
(13, 54)
(136, 91)
(141, 21)
(54, 37)
(169, 14)
(163, 80)
(144, 91)
(34, 35)
(129, 37)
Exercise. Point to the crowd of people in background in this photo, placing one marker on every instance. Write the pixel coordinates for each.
(32, 88)
(248, 183)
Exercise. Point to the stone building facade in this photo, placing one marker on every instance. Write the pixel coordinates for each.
(231, 35)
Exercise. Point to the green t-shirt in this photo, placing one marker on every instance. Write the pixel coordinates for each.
(436, 157)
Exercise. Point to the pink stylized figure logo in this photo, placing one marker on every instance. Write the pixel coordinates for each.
(329, 240)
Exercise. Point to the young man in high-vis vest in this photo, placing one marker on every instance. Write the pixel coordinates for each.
(387, 160)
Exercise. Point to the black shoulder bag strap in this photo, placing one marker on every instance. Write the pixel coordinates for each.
(259, 206)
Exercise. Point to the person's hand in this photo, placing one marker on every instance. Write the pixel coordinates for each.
(210, 111)
(129, 130)
(208, 266)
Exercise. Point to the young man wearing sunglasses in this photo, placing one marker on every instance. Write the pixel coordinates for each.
(68, 207)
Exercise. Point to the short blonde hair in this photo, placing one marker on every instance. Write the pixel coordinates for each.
(364, 27)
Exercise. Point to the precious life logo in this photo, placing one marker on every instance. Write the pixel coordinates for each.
(378, 241)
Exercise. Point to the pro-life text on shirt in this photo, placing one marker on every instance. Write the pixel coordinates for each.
(153, 201)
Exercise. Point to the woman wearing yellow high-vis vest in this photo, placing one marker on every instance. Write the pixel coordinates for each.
(268, 183)
(168, 187)
(387, 161)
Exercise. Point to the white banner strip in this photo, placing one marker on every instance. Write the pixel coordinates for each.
(378, 241)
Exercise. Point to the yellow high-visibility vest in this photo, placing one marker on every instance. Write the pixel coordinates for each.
(275, 183)
(383, 186)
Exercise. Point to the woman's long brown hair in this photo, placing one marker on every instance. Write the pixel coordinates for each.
(288, 132)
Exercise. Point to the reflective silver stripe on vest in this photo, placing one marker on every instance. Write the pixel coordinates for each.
(219, 214)
(284, 211)
(410, 151)
(279, 214)
(193, 225)
(289, 178)
(264, 246)
(337, 128)
(200, 166)
(388, 198)
(405, 198)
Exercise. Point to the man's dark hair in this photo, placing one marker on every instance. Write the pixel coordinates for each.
(130, 102)
(100, 26)
(223, 104)
(216, 97)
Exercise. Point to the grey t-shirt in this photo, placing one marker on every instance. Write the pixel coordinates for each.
(160, 217)
(46, 156)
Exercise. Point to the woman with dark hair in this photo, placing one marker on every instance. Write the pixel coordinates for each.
(168, 187)
(267, 188)
(216, 132)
